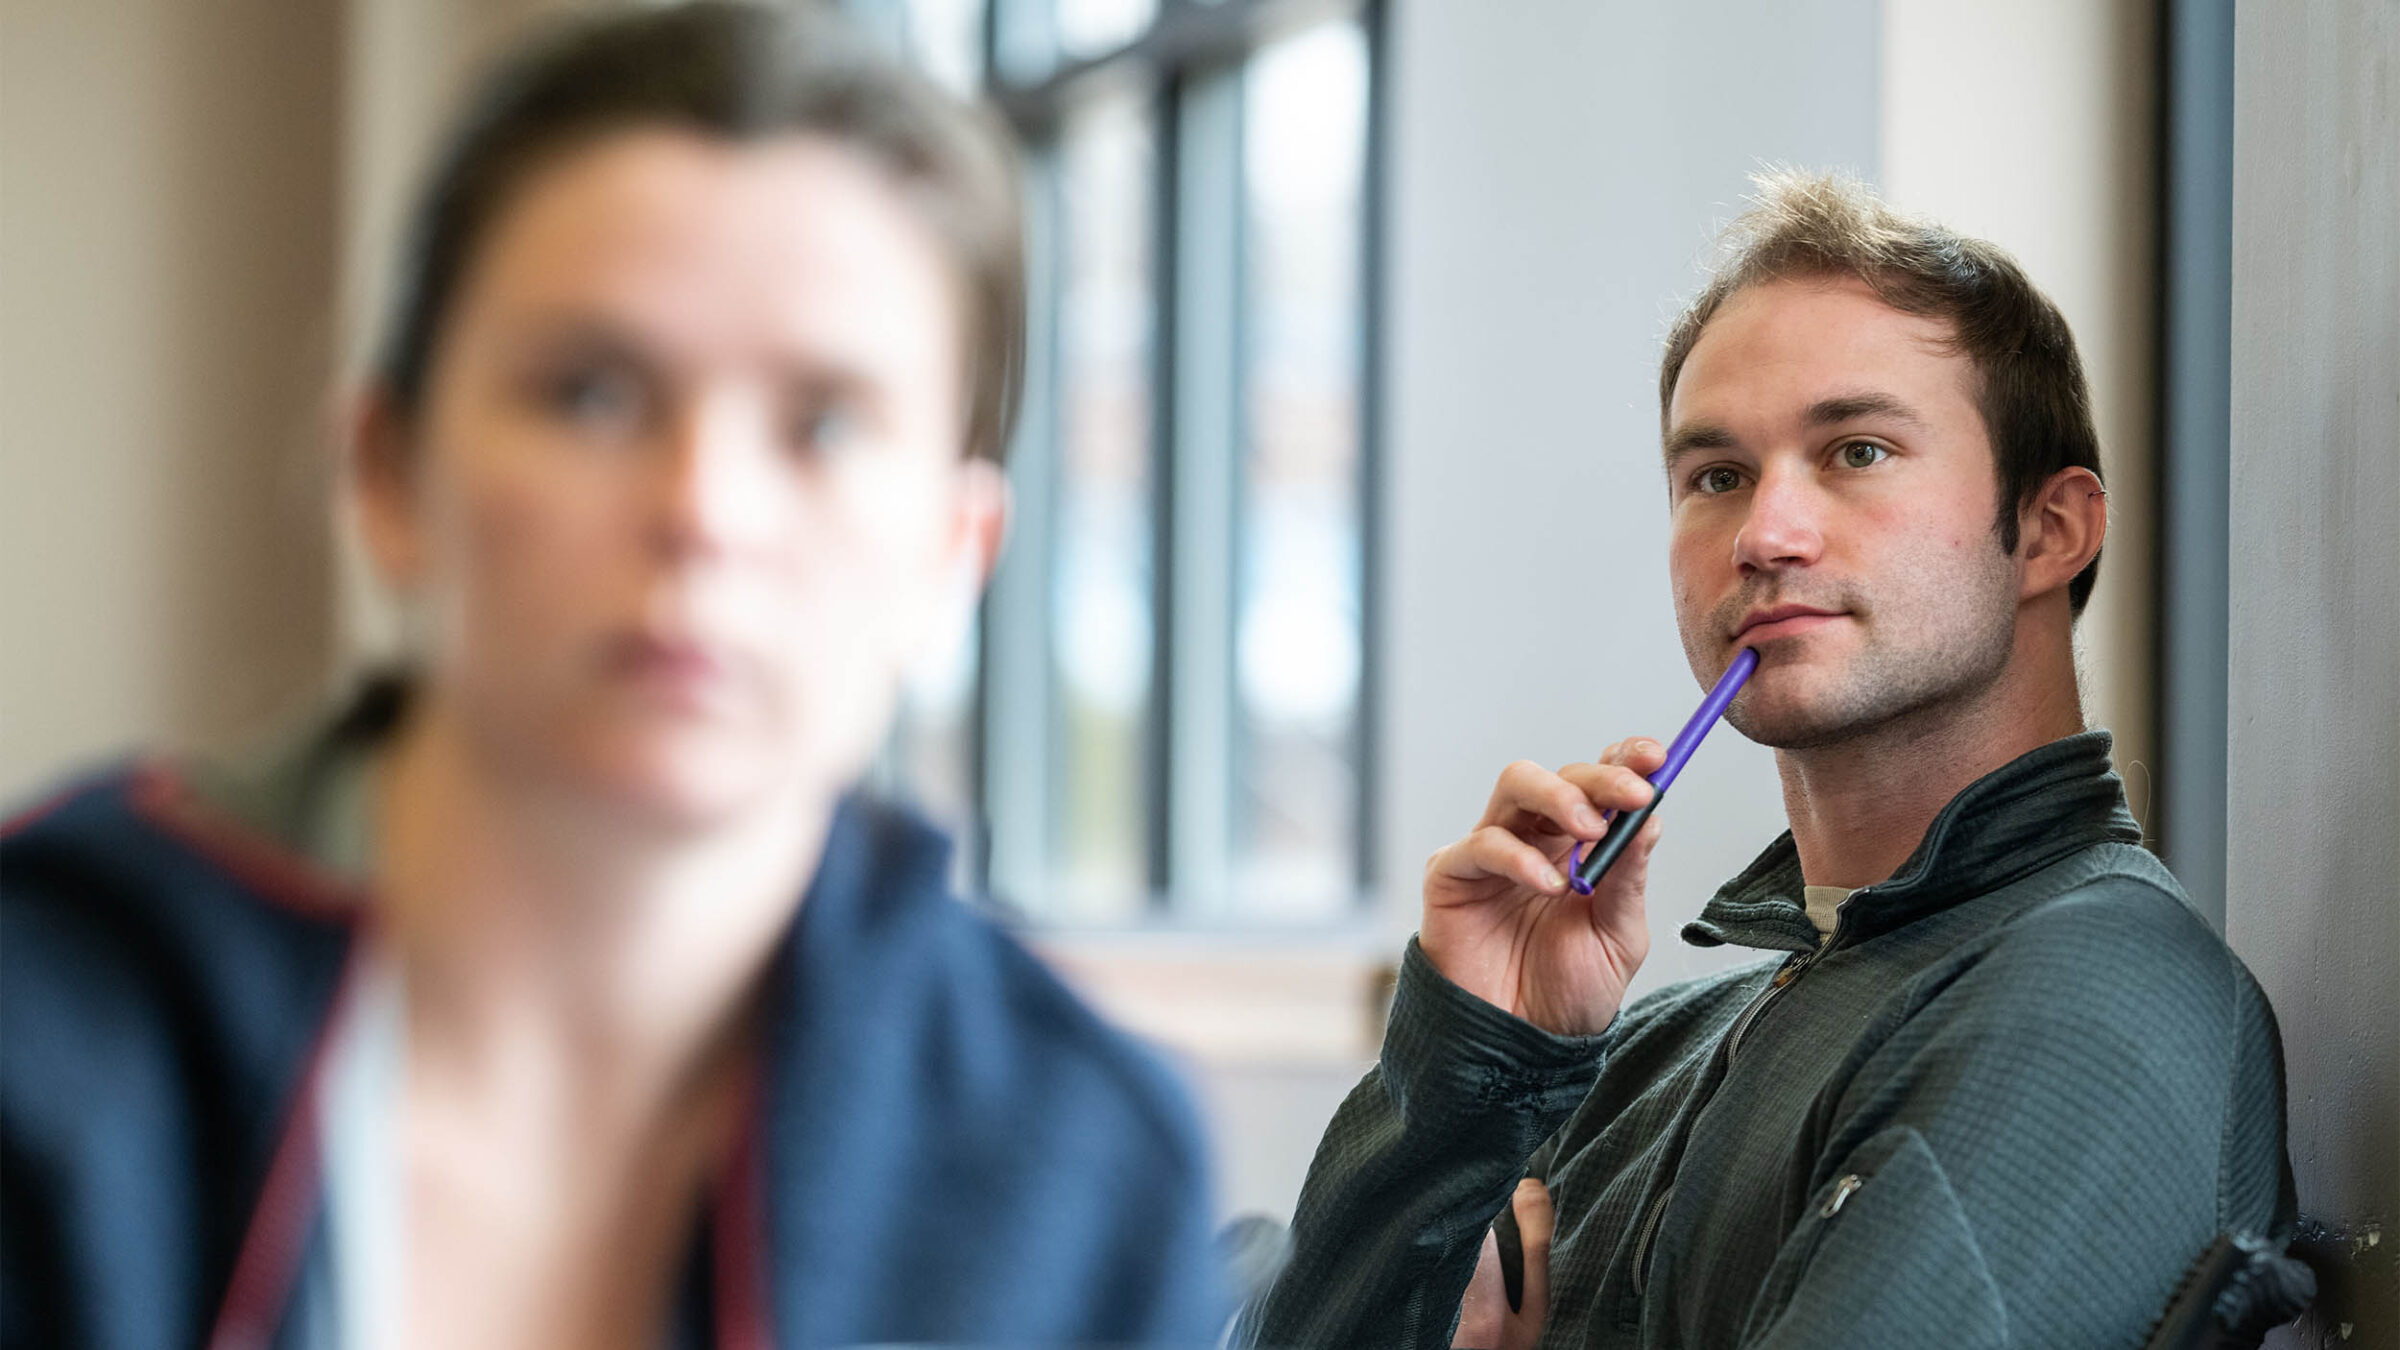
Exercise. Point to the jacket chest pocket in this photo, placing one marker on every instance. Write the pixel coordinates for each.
(1886, 1227)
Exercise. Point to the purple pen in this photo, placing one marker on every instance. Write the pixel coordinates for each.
(1584, 873)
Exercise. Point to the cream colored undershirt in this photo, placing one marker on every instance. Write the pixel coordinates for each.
(1822, 901)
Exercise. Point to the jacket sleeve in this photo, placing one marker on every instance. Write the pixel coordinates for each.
(1413, 1168)
(2041, 1145)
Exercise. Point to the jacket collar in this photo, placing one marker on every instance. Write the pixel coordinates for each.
(2019, 818)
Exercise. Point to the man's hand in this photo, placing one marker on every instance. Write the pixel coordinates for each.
(1500, 921)
(1485, 1321)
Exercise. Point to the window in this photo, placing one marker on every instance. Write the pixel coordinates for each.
(1164, 714)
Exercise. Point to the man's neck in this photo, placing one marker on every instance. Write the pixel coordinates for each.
(1858, 808)
(543, 943)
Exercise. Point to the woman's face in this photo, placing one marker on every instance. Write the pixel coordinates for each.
(686, 492)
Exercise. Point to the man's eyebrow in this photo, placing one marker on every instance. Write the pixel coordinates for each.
(1839, 408)
(1694, 437)
(1852, 407)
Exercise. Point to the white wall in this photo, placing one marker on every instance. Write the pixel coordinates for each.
(1559, 168)
(2313, 853)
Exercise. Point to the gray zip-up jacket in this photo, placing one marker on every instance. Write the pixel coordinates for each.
(2011, 1098)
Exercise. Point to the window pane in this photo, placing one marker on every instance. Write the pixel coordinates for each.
(1101, 600)
(946, 40)
(1093, 27)
(1024, 40)
(1297, 644)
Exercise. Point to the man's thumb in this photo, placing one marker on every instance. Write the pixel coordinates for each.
(1535, 1219)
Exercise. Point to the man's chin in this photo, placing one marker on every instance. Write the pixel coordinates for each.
(1797, 709)
(1792, 713)
(1789, 729)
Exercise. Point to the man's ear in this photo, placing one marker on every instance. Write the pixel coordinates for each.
(380, 482)
(2060, 531)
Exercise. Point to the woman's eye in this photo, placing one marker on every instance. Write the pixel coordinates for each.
(825, 428)
(1863, 454)
(596, 397)
(1717, 479)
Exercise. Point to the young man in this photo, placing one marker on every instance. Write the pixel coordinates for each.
(1999, 1086)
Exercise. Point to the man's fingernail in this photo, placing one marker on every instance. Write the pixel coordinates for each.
(1589, 820)
(1554, 879)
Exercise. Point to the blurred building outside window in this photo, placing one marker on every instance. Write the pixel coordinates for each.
(1161, 720)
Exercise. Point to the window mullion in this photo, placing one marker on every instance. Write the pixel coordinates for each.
(1018, 679)
(1367, 728)
(1203, 437)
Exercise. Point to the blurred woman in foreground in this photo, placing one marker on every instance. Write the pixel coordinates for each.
(564, 994)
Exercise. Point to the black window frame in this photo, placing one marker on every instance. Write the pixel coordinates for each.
(1187, 40)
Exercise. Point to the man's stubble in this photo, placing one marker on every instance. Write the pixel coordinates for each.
(1927, 655)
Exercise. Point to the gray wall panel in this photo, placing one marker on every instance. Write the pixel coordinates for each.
(2314, 704)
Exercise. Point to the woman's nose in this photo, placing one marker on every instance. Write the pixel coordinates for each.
(717, 485)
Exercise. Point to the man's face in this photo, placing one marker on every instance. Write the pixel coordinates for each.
(1833, 494)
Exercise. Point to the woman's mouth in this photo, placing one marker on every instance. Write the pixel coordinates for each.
(678, 671)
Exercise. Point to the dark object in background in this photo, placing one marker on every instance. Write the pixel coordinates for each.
(2239, 1288)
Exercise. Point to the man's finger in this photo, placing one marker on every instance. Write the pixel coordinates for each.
(1638, 753)
(1535, 1219)
(1618, 915)
(1494, 852)
(1608, 787)
(1527, 790)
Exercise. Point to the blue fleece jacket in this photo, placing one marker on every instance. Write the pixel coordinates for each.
(947, 1146)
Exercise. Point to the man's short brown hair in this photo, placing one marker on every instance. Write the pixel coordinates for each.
(2036, 406)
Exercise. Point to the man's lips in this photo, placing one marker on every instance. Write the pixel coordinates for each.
(1781, 622)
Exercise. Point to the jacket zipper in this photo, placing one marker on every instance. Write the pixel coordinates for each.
(1784, 979)
(1641, 1246)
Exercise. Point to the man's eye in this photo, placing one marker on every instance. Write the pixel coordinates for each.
(1863, 454)
(1717, 479)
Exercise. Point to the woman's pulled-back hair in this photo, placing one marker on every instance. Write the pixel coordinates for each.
(2036, 407)
(739, 72)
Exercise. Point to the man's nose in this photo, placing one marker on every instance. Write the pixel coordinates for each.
(1785, 525)
(717, 485)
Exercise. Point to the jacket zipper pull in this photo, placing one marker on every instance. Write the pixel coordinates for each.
(1841, 1195)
